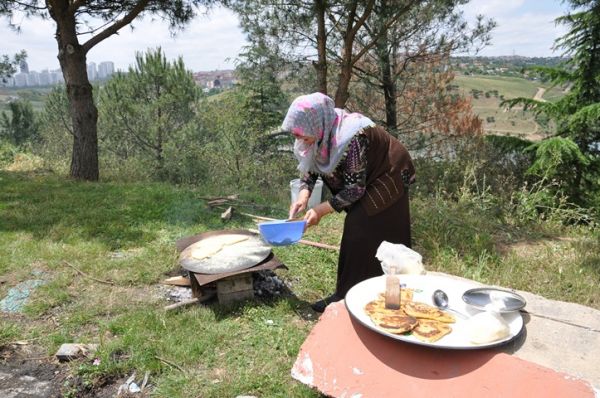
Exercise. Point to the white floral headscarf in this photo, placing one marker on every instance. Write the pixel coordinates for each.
(315, 115)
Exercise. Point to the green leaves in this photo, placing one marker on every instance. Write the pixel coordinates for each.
(21, 127)
(557, 155)
(150, 112)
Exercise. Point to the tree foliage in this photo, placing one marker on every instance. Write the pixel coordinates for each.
(96, 20)
(149, 110)
(258, 71)
(385, 58)
(20, 127)
(577, 114)
(8, 66)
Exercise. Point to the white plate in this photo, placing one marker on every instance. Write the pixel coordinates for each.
(424, 286)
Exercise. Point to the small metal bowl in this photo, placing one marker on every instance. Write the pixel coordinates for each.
(493, 299)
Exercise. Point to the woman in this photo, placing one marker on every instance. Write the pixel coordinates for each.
(367, 171)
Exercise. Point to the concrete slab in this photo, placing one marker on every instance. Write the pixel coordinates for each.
(556, 356)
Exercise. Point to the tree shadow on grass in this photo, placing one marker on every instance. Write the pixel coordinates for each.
(117, 215)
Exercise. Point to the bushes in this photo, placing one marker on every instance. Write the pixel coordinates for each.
(7, 153)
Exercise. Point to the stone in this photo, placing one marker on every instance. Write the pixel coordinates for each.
(69, 351)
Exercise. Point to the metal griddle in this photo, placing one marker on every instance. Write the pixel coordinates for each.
(232, 258)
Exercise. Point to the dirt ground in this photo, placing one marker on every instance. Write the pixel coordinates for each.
(27, 372)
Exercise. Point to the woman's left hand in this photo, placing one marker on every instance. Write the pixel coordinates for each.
(314, 215)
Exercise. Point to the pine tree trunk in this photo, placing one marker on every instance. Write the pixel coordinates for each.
(341, 94)
(321, 64)
(389, 86)
(84, 114)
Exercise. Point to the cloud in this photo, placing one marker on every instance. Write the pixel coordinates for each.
(492, 8)
(524, 27)
(206, 44)
(528, 35)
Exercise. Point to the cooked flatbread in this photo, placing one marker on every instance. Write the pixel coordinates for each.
(430, 330)
(425, 311)
(392, 321)
(376, 309)
(406, 294)
(396, 323)
(211, 246)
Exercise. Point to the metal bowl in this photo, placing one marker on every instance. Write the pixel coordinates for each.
(493, 299)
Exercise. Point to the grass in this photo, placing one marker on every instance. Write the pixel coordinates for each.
(510, 87)
(496, 119)
(53, 226)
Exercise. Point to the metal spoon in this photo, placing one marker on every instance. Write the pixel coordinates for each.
(440, 299)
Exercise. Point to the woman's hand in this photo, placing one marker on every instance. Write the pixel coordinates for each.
(314, 215)
(300, 204)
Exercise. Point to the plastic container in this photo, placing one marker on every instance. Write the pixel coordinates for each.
(315, 197)
(281, 232)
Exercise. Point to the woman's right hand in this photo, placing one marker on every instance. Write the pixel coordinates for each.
(300, 204)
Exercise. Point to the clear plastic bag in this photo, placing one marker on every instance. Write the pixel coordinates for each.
(403, 259)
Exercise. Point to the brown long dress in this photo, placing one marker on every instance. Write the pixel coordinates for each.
(361, 238)
(381, 213)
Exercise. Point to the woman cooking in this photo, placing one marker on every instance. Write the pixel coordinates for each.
(368, 173)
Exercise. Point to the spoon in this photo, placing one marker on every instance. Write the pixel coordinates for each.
(440, 299)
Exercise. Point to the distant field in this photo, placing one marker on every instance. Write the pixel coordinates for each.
(499, 120)
(36, 96)
(510, 87)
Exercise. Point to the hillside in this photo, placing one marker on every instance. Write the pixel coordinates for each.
(487, 92)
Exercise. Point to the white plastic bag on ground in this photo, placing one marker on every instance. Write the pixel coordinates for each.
(405, 260)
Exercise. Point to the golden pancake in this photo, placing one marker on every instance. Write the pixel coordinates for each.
(422, 310)
(392, 321)
(396, 323)
(406, 294)
(429, 330)
(376, 309)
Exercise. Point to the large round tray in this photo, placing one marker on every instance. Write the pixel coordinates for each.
(231, 258)
(424, 286)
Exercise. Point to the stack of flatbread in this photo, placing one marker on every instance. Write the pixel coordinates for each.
(425, 322)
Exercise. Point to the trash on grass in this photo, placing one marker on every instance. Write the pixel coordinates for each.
(17, 296)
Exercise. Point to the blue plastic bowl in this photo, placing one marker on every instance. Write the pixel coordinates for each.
(281, 232)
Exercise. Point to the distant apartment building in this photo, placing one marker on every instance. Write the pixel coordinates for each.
(27, 78)
(91, 71)
(105, 69)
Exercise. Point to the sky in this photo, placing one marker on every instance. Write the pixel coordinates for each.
(213, 41)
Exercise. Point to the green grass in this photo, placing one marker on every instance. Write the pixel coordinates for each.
(53, 226)
(515, 121)
(510, 87)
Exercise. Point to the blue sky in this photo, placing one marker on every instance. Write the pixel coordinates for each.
(525, 27)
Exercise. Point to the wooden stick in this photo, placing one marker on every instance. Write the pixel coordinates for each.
(191, 301)
(318, 244)
(170, 363)
(182, 303)
(88, 276)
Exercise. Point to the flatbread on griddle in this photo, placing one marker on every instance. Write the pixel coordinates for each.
(211, 246)
(425, 311)
(429, 330)
(224, 253)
